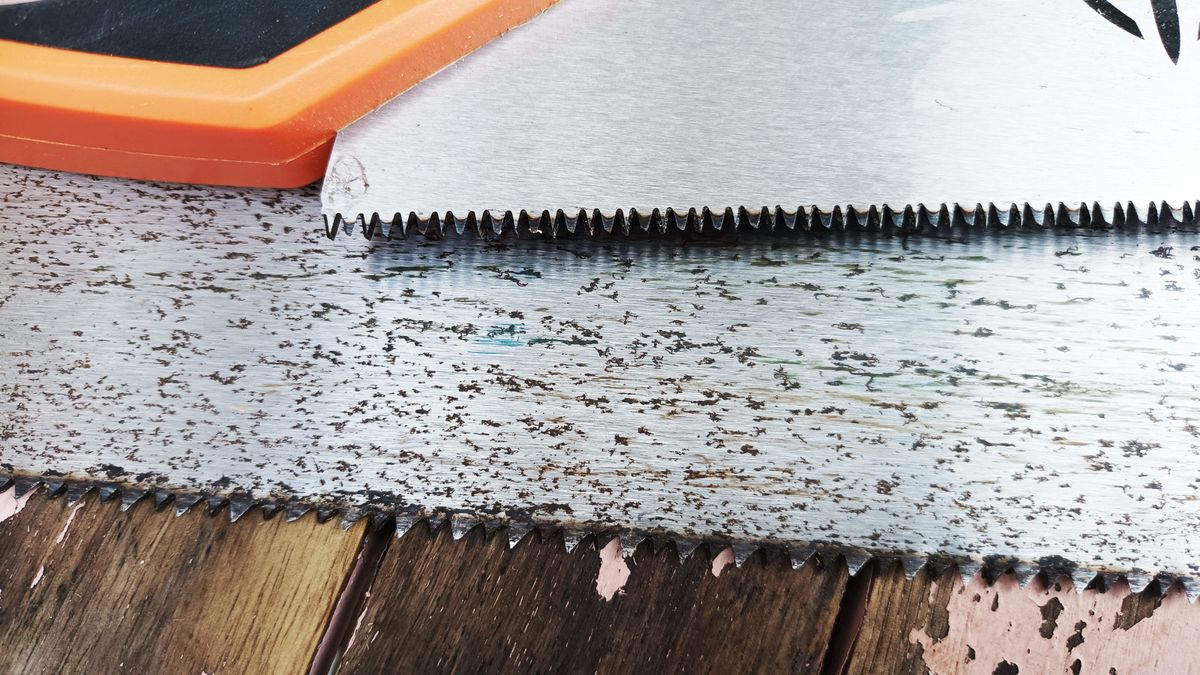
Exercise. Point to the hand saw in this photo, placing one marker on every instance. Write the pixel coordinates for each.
(745, 405)
(628, 111)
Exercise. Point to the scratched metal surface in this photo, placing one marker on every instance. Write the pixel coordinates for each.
(1023, 393)
(616, 105)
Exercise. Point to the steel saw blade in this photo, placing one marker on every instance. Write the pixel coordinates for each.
(640, 112)
(1023, 399)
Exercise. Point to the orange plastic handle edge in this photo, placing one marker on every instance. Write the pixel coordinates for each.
(267, 126)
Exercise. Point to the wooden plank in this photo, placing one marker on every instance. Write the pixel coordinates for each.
(91, 589)
(937, 626)
(894, 608)
(475, 606)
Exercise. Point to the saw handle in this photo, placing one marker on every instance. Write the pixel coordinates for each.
(230, 92)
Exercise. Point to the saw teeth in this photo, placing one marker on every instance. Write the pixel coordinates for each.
(1138, 580)
(912, 566)
(684, 548)
(404, 522)
(434, 522)
(460, 526)
(23, 486)
(238, 506)
(184, 502)
(380, 520)
(1191, 587)
(350, 517)
(968, 570)
(742, 553)
(214, 504)
(491, 223)
(629, 545)
(294, 511)
(130, 497)
(1082, 578)
(1024, 574)
(54, 487)
(1111, 579)
(855, 560)
(800, 555)
(571, 540)
(936, 566)
(1051, 569)
(75, 492)
(161, 497)
(517, 533)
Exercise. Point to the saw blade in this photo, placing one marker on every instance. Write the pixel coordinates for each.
(1025, 395)
(619, 111)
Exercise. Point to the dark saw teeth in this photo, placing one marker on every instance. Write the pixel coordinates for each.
(409, 519)
(764, 219)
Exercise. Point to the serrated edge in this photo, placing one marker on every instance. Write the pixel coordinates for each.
(516, 528)
(491, 223)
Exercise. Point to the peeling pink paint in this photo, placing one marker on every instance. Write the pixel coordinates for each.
(10, 505)
(723, 559)
(1003, 622)
(613, 570)
(38, 577)
(70, 519)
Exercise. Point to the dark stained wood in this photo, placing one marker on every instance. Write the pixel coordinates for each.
(147, 592)
(894, 608)
(473, 606)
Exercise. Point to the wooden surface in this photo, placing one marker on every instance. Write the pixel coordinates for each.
(472, 606)
(91, 589)
(938, 626)
(894, 608)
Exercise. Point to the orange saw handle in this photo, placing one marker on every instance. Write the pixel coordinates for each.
(225, 92)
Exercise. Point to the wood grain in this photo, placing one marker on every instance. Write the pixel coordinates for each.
(894, 608)
(91, 589)
(473, 606)
(937, 626)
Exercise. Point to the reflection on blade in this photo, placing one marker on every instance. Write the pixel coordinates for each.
(615, 106)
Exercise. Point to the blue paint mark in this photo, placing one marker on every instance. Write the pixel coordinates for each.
(504, 335)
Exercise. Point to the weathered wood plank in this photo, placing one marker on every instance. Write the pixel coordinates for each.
(937, 626)
(474, 606)
(91, 589)
(894, 608)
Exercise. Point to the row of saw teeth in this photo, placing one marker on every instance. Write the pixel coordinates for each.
(459, 525)
(763, 219)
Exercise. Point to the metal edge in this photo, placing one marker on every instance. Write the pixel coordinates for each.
(764, 219)
(516, 527)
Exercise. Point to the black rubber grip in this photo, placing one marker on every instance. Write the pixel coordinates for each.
(219, 33)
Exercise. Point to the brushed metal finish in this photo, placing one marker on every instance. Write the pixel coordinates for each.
(1021, 394)
(641, 104)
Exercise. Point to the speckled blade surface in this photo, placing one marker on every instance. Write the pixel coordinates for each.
(615, 113)
(1022, 394)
